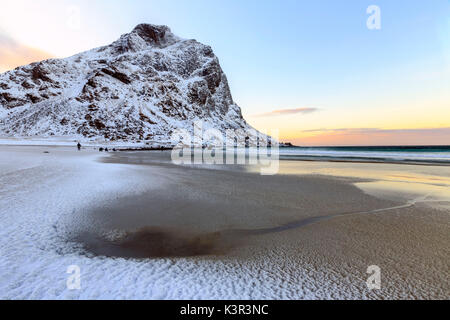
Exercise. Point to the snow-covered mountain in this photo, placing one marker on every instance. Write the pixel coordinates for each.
(138, 89)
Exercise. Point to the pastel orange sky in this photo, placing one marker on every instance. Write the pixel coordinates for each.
(316, 72)
(14, 54)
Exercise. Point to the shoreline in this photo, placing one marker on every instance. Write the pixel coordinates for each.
(413, 163)
(160, 146)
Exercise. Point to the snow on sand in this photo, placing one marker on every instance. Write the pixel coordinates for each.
(45, 196)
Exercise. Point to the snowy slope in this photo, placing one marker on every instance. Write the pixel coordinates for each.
(138, 89)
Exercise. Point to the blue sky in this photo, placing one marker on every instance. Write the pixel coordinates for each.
(285, 54)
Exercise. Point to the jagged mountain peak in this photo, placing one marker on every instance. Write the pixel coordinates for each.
(145, 36)
(140, 88)
(153, 34)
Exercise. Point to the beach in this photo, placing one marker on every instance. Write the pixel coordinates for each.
(140, 227)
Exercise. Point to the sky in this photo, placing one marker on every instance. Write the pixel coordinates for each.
(311, 69)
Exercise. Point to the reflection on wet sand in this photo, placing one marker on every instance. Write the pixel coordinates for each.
(387, 181)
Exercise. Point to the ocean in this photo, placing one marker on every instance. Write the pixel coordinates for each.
(401, 154)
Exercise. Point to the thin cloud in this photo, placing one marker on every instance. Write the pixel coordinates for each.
(342, 130)
(283, 112)
(14, 54)
(378, 130)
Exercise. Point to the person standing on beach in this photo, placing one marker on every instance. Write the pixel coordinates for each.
(79, 146)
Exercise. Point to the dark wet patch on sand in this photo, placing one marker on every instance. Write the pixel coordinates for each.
(158, 242)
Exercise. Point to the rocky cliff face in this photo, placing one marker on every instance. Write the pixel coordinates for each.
(140, 88)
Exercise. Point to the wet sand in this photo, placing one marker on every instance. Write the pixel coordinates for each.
(338, 217)
(209, 211)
